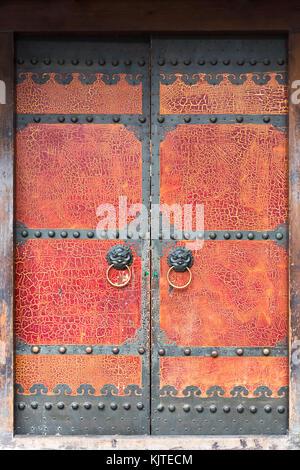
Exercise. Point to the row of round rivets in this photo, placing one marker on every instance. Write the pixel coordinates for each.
(214, 352)
(186, 235)
(75, 406)
(226, 408)
(214, 61)
(75, 119)
(88, 350)
(89, 62)
(76, 234)
(214, 119)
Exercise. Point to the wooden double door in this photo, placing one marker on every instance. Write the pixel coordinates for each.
(114, 131)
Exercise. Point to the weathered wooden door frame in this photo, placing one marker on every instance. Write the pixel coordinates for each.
(7, 438)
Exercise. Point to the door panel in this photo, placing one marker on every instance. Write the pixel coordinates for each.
(82, 363)
(219, 109)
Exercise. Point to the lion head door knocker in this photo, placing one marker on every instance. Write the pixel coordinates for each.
(180, 259)
(119, 257)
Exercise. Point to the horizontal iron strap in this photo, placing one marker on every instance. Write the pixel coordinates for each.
(225, 351)
(277, 120)
(78, 118)
(22, 348)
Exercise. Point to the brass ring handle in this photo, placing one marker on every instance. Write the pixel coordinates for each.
(113, 283)
(179, 287)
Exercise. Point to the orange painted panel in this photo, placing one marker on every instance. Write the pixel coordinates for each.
(64, 172)
(238, 296)
(238, 172)
(77, 97)
(226, 372)
(76, 370)
(224, 98)
(62, 295)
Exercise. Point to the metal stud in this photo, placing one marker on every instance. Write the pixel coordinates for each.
(171, 408)
(186, 235)
(141, 62)
(160, 119)
(174, 61)
(74, 119)
(60, 405)
(187, 351)
(116, 118)
(226, 408)
(115, 350)
(239, 119)
(20, 61)
(161, 352)
(47, 61)
(212, 408)
(160, 407)
(126, 406)
(238, 235)
(213, 119)
(187, 118)
(201, 62)
(75, 406)
(187, 62)
(226, 235)
(38, 234)
(64, 234)
(141, 350)
(240, 62)
(266, 119)
(186, 408)
(37, 119)
(34, 61)
(226, 61)
(89, 62)
(266, 61)
(34, 405)
(75, 61)
(115, 62)
(281, 409)
(48, 406)
(161, 61)
(240, 409)
(214, 62)
(142, 119)
(113, 406)
(87, 405)
(61, 118)
(212, 235)
(76, 234)
(101, 406)
(62, 349)
(90, 234)
(35, 349)
(265, 236)
(21, 406)
(252, 62)
(268, 408)
(139, 406)
(280, 61)
(279, 236)
(101, 62)
(214, 353)
(51, 233)
(266, 351)
(250, 235)
(88, 349)
(24, 233)
(199, 408)
(240, 351)
(253, 409)
(60, 61)
(89, 118)
(127, 62)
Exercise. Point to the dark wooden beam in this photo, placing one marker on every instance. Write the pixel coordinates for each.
(6, 233)
(149, 15)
